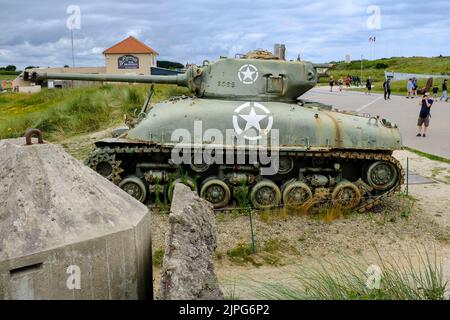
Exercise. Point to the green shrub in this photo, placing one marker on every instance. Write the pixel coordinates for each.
(241, 254)
(381, 65)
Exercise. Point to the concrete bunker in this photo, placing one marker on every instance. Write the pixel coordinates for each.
(66, 232)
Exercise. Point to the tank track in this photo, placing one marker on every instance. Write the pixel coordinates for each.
(108, 153)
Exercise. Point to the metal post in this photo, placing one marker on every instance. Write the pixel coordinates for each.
(361, 67)
(73, 57)
(251, 230)
(407, 175)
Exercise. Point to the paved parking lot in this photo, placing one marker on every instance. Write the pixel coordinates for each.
(404, 112)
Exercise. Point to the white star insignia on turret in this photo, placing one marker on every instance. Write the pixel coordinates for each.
(248, 74)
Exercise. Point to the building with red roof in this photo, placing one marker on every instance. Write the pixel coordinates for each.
(130, 56)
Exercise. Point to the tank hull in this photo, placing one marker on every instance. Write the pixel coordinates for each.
(299, 127)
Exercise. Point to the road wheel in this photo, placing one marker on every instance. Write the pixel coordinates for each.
(265, 194)
(135, 187)
(216, 191)
(346, 195)
(295, 194)
(381, 175)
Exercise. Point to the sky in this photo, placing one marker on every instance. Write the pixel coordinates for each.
(190, 31)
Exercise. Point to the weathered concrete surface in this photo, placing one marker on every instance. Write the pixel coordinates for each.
(188, 271)
(56, 213)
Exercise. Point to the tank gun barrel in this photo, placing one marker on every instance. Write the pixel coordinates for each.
(179, 79)
(229, 79)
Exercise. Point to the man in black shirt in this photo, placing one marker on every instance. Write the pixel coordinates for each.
(368, 85)
(444, 91)
(424, 116)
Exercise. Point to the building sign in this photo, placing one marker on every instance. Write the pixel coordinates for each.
(128, 62)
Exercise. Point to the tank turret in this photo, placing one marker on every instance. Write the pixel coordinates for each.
(231, 79)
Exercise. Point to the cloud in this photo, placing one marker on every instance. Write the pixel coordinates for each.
(35, 33)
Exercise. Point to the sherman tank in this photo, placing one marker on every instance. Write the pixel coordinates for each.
(244, 135)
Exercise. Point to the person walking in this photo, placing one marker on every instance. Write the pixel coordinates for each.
(424, 116)
(347, 82)
(331, 82)
(409, 89)
(387, 89)
(415, 86)
(444, 91)
(368, 85)
(340, 83)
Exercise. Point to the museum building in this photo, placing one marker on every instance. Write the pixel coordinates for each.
(130, 56)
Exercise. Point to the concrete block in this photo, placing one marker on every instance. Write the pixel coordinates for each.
(66, 232)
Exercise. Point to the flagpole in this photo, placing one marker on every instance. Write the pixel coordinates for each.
(372, 41)
(361, 66)
(373, 48)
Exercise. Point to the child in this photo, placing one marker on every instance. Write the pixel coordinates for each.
(435, 92)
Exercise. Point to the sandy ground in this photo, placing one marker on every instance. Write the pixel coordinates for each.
(434, 198)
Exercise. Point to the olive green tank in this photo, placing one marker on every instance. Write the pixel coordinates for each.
(245, 134)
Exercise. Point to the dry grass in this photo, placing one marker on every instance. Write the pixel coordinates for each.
(418, 277)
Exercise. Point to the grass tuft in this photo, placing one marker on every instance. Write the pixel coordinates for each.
(418, 277)
(428, 155)
(158, 257)
(241, 254)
